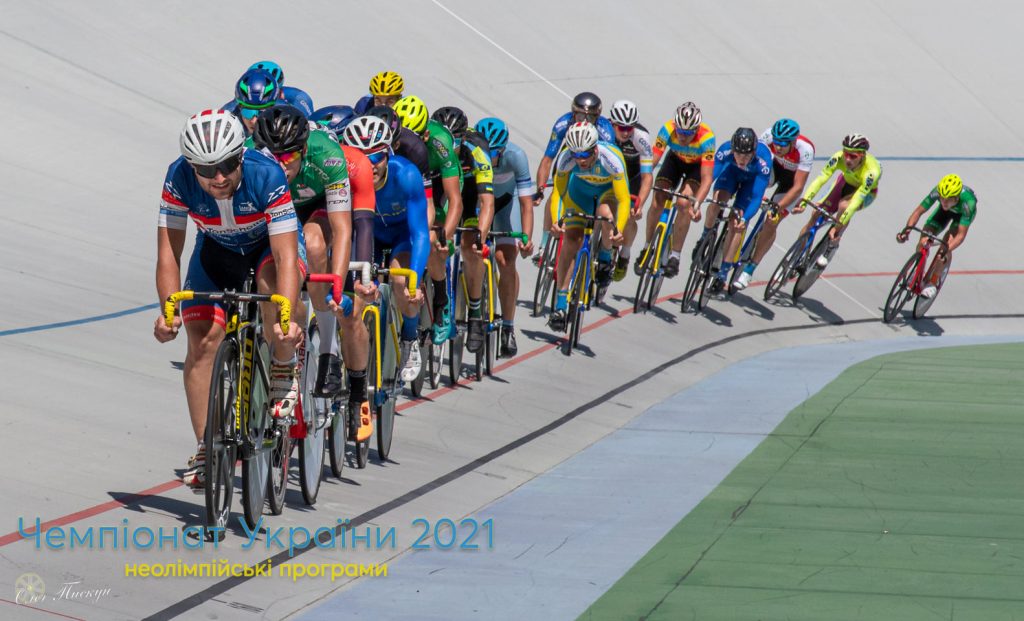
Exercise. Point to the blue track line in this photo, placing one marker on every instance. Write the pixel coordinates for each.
(936, 158)
(76, 322)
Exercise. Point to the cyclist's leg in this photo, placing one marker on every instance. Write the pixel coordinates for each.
(668, 178)
(437, 272)
(284, 381)
(629, 233)
(410, 310)
(691, 176)
(607, 207)
(506, 253)
(571, 242)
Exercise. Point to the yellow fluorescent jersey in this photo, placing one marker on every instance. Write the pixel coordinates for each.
(865, 179)
(585, 188)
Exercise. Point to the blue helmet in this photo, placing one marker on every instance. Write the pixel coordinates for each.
(298, 98)
(785, 131)
(334, 118)
(257, 89)
(272, 68)
(494, 130)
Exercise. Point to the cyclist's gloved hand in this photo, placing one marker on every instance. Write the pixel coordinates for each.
(345, 305)
(902, 236)
(845, 218)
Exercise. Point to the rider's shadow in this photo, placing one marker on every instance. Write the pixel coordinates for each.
(752, 306)
(716, 317)
(925, 326)
(541, 337)
(818, 311)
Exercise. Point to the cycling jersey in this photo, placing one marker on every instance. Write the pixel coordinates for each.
(605, 132)
(260, 206)
(637, 152)
(700, 149)
(411, 147)
(800, 157)
(746, 184)
(962, 213)
(585, 189)
(298, 98)
(512, 175)
(475, 160)
(360, 174)
(401, 219)
(864, 180)
(442, 158)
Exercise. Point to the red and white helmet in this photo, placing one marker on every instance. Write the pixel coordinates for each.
(212, 136)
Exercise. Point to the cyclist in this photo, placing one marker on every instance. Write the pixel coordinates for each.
(255, 91)
(958, 205)
(295, 96)
(477, 187)
(385, 90)
(586, 106)
(691, 145)
(792, 156)
(334, 119)
(854, 189)
(400, 224)
(406, 143)
(240, 203)
(511, 179)
(742, 169)
(329, 207)
(634, 141)
(443, 164)
(590, 177)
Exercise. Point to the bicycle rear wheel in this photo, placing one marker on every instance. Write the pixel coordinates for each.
(336, 431)
(219, 435)
(695, 276)
(784, 271)
(545, 276)
(902, 289)
(491, 335)
(922, 304)
(457, 342)
(258, 433)
(315, 414)
(576, 306)
(712, 257)
(362, 449)
(384, 402)
(644, 284)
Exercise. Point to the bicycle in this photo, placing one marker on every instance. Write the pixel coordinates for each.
(800, 261)
(494, 324)
(708, 253)
(654, 255)
(484, 358)
(913, 278)
(321, 423)
(582, 286)
(768, 209)
(238, 415)
(543, 290)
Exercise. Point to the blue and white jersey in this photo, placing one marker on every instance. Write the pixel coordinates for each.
(402, 206)
(512, 174)
(260, 206)
(753, 179)
(605, 132)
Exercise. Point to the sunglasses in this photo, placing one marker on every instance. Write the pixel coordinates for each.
(497, 153)
(782, 144)
(579, 117)
(378, 157)
(686, 132)
(582, 155)
(853, 154)
(228, 166)
(625, 129)
(287, 158)
(251, 113)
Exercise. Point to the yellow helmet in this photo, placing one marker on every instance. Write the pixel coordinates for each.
(950, 186)
(386, 83)
(413, 113)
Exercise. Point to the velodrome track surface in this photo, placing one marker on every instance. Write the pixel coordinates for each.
(94, 413)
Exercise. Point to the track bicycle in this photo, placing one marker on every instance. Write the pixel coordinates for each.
(914, 277)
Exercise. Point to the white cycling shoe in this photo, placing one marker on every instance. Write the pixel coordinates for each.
(929, 292)
(822, 261)
(742, 282)
(413, 363)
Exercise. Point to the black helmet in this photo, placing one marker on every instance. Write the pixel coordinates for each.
(281, 129)
(453, 118)
(744, 141)
(390, 117)
(587, 103)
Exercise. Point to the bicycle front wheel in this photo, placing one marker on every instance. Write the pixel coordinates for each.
(545, 276)
(385, 402)
(576, 306)
(487, 311)
(258, 436)
(901, 291)
(219, 435)
(813, 271)
(784, 271)
(456, 343)
(315, 414)
(646, 278)
(713, 256)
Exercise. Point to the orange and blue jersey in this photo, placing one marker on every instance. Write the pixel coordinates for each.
(701, 149)
(261, 206)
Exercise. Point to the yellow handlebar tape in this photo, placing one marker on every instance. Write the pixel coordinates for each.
(409, 275)
(172, 302)
(286, 311)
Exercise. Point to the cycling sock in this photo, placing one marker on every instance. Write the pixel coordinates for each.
(357, 385)
(291, 362)
(723, 272)
(474, 307)
(750, 267)
(507, 324)
(674, 255)
(624, 253)
(562, 300)
(327, 325)
(409, 327)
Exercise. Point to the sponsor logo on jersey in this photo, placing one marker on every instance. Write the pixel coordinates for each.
(333, 161)
(306, 192)
(246, 207)
(277, 193)
(441, 149)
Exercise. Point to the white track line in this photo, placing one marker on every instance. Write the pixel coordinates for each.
(871, 312)
(503, 50)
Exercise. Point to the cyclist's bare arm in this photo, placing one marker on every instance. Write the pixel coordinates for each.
(646, 181)
(170, 243)
(341, 241)
(454, 196)
(526, 215)
(543, 170)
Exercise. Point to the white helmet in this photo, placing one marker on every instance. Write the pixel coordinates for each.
(368, 134)
(624, 112)
(687, 116)
(581, 136)
(212, 136)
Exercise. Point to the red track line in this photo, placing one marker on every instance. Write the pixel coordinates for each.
(153, 491)
(41, 610)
